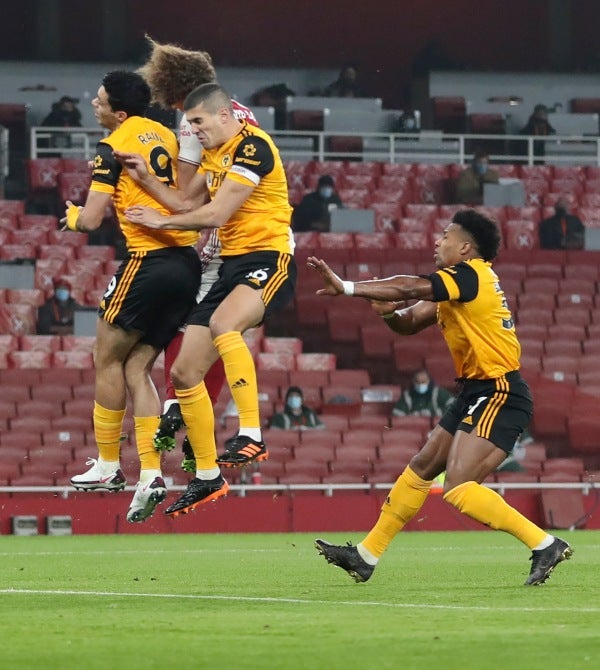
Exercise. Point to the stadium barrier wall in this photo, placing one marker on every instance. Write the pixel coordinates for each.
(259, 511)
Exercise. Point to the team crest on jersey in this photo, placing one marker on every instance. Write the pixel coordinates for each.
(226, 160)
(249, 150)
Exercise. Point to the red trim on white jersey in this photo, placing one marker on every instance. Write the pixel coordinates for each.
(243, 113)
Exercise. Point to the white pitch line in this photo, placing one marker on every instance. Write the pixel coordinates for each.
(134, 552)
(301, 601)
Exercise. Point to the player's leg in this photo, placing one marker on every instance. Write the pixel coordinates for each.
(404, 500)
(195, 358)
(170, 419)
(113, 345)
(497, 418)
(260, 283)
(151, 489)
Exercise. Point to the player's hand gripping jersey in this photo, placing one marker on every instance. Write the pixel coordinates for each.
(159, 147)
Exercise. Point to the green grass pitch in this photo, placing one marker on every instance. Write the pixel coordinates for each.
(451, 600)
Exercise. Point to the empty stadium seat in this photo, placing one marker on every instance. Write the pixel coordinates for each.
(73, 186)
(315, 361)
(17, 319)
(276, 361)
(449, 113)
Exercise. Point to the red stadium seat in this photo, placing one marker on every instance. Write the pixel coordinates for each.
(60, 251)
(25, 296)
(535, 191)
(11, 252)
(17, 319)
(42, 174)
(285, 344)
(83, 343)
(550, 200)
(31, 236)
(96, 252)
(73, 186)
(315, 361)
(333, 168)
(530, 213)
(72, 359)
(358, 378)
(276, 361)
(413, 240)
(76, 165)
(449, 113)
(47, 343)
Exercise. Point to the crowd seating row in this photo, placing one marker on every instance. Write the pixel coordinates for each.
(377, 169)
(359, 184)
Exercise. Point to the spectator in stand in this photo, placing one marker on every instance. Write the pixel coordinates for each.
(537, 124)
(562, 230)
(469, 185)
(424, 397)
(56, 315)
(314, 210)
(295, 415)
(346, 85)
(64, 114)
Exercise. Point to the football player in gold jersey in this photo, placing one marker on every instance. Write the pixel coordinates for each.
(241, 189)
(146, 301)
(494, 405)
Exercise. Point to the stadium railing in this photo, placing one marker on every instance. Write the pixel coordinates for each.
(426, 146)
(242, 490)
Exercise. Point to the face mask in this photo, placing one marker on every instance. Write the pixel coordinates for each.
(62, 294)
(409, 123)
(481, 168)
(294, 402)
(560, 211)
(326, 192)
(421, 388)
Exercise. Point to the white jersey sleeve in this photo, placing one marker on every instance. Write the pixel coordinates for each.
(190, 149)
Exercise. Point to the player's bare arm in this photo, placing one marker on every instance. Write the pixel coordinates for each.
(392, 289)
(216, 213)
(89, 217)
(175, 200)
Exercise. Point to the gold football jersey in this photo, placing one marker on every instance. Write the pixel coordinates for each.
(262, 223)
(475, 320)
(158, 145)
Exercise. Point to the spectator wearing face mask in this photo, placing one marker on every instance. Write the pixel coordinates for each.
(562, 230)
(469, 185)
(423, 397)
(56, 315)
(314, 210)
(296, 415)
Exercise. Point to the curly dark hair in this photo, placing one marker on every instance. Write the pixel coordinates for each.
(483, 230)
(127, 92)
(172, 72)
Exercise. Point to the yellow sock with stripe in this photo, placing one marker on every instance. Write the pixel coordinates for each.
(486, 506)
(241, 377)
(108, 424)
(402, 503)
(198, 414)
(145, 428)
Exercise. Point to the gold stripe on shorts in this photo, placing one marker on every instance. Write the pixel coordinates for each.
(281, 274)
(484, 426)
(133, 265)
